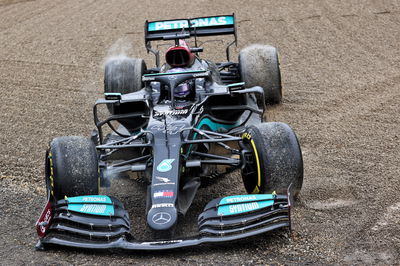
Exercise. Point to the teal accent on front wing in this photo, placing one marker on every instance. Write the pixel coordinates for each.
(246, 198)
(93, 209)
(90, 199)
(93, 204)
(238, 208)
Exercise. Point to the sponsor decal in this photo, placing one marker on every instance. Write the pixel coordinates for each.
(161, 218)
(94, 199)
(90, 199)
(165, 165)
(171, 129)
(171, 113)
(198, 22)
(174, 129)
(201, 110)
(237, 208)
(162, 242)
(246, 198)
(243, 207)
(241, 199)
(163, 184)
(157, 128)
(112, 96)
(246, 136)
(163, 194)
(148, 78)
(163, 179)
(44, 221)
(94, 209)
(200, 75)
(162, 205)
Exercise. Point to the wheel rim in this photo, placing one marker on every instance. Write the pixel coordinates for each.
(250, 170)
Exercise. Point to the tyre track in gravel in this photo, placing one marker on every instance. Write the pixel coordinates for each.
(363, 19)
(301, 28)
(360, 106)
(342, 97)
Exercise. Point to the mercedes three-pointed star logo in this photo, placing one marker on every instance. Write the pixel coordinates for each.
(161, 218)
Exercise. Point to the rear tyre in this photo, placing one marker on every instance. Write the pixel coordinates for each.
(259, 66)
(275, 160)
(123, 75)
(72, 167)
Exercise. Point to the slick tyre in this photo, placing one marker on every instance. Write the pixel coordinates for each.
(275, 160)
(259, 66)
(123, 75)
(71, 167)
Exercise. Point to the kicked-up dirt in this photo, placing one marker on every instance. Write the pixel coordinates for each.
(340, 63)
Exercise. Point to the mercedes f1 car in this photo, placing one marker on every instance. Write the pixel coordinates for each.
(176, 126)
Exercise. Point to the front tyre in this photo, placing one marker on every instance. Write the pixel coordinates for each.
(274, 160)
(72, 167)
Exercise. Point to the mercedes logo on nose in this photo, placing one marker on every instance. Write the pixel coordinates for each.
(161, 218)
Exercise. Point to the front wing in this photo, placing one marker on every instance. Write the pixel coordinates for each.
(100, 222)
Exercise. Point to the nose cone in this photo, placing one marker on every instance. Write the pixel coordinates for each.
(161, 218)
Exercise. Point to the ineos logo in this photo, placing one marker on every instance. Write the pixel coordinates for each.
(163, 179)
(161, 218)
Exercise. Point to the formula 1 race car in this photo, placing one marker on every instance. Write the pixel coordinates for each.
(176, 126)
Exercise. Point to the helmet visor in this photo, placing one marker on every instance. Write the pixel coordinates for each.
(182, 90)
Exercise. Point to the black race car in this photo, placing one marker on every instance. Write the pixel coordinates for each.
(176, 126)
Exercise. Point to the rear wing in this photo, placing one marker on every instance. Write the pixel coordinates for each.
(203, 26)
(190, 27)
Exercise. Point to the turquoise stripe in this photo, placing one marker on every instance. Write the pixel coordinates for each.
(90, 199)
(213, 125)
(93, 209)
(175, 73)
(246, 198)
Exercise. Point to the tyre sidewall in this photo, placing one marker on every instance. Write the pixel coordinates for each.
(284, 158)
(279, 157)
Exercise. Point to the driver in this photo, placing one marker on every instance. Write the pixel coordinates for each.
(180, 58)
(186, 90)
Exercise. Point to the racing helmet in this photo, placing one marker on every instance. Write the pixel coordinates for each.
(182, 90)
